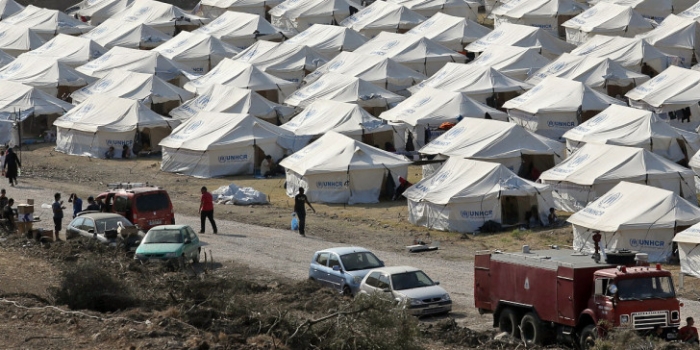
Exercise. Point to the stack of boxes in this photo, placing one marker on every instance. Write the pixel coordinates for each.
(25, 217)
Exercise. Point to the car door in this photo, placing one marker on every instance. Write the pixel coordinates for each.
(73, 229)
(371, 283)
(87, 229)
(384, 285)
(190, 248)
(321, 267)
(336, 276)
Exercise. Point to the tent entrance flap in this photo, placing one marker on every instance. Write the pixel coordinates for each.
(258, 156)
(517, 210)
(533, 165)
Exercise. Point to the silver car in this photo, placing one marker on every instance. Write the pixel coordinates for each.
(342, 268)
(409, 286)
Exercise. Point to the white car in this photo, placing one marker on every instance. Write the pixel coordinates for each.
(410, 287)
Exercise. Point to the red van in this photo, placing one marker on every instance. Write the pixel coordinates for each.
(145, 206)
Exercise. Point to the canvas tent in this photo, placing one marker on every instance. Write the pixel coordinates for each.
(164, 17)
(556, 105)
(634, 217)
(258, 48)
(289, 62)
(47, 23)
(112, 33)
(381, 71)
(216, 8)
(509, 34)
(466, 9)
(466, 193)
(416, 52)
(521, 151)
(5, 59)
(544, 14)
(594, 169)
(231, 99)
(678, 36)
(101, 122)
(37, 110)
(139, 61)
(69, 50)
(328, 40)
(337, 169)
(18, 40)
(450, 31)
(220, 144)
(513, 61)
(245, 76)
(198, 52)
(299, 15)
(382, 16)
(9, 8)
(688, 241)
(49, 75)
(240, 29)
(692, 11)
(483, 84)
(632, 53)
(673, 89)
(606, 19)
(97, 11)
(624, 126)
(653, 9)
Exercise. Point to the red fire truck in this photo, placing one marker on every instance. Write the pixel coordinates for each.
(542, 294)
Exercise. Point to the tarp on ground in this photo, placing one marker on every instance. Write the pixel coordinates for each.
(606, 19)
(329, 40)
(382, 16)
(450, 31)
(198, 52)
(509, 34)
(240, 29)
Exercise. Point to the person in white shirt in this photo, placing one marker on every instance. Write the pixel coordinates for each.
(266, 166)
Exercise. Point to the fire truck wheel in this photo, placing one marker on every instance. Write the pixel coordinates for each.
(508, 322)
(531, 329)
(588, 337)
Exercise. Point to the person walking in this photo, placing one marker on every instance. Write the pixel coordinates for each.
(57, 208)
(300, 202)
(206, 209)
(11, 166)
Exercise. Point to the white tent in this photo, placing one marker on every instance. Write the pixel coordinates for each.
(607, 19)
(338, 169)
(481, 83)
(69, 50)
(673, 89)
(692, 11)
(594, 169)
(499, 142)
(466, 193)
(636, 217)
(513, 61)
(416, 52)
(5, 59)
(37, 110)
(544, 14)
(164, 17)
(450, 31)
(688, 241)
(382, 16)
(198, 52)
(509, 34)
(101, 122)
(556, 105)
(602, 74)
(132, 60)
(47, 23)
(653, 9)
(9, 134)
(245, 76)
(219, 144)
(678, 36)
(632, 53)
(298, 15)
(240, 29)
(9, 8)
(16, 40)
(329, 40)
(381, 71)
(216, 8)
(230, 99)
(112, 33)
(289, 62)
(51, 76)
(258, 48)
(466, 9)
(680, 6)
(341, 88)
(624, 126)
(98, 11)
(152, 91)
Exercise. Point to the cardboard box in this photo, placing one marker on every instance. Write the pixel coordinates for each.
(25, 209)
(24, 227)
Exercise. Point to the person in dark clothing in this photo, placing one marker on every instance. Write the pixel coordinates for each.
(300, 202)
(11, 167)
(57, 208)
(92, 205)
(3, 199)
(403, 185)
(206, 210)
(9, 215)
(686, 115)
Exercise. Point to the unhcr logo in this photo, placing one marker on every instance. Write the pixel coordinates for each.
(609, 200)
(647, 243)
(101, 85)
(233, 158)
(589, 13)
(202, 101)
(190, 128)
(495, 35)
(331, 184)
(335, 65)
(471, 214)
(119, 143)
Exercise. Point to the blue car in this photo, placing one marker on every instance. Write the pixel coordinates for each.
(343, 268)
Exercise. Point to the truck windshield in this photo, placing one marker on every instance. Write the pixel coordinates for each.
(645, 288)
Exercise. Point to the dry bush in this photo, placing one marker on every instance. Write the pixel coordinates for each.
(90, 287)
(628, 339)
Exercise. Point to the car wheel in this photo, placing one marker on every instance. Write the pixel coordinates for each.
(531, 329)
(347, 291)
(508, 322)
(195, 259)
(588, 337)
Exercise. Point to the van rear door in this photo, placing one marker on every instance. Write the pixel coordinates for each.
(153, 209)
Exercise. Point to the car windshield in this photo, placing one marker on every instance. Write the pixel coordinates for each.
(152, 202)
(163, 236)
(645, 288)
(111, 224)
(410, 280)
(360, 261)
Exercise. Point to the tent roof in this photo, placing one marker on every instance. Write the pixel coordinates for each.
(156, 14)
(491, 139)
(46, 21)
(648, 8)
(511, 60)
(229, 99)
(676, 32)
(9, 7)
(232, 26)
(209, 131)
(596, 72)
(188, 46)
(689, 235)
(334, 152)
(509, 34)
(143, 87)
(472, 79)
(555, 95)
(312, 8)
(432, 107)
(466, 180)
(103, 8)
(518, 9)
(328, 39)
(438, 5)
(606, 17)
(692, 12)
(323, 116)
(629, 52)
(239, 74)
(342, 88)
(377, 70)
(407, 48)
(288, 58)
(258, 48)
(114, 33)
(29, 100)
(5, 58)
(43, 72)
(139, 61)
(673, 89)
(630, 206)
(18, 38)
(382, 14)
(69, 50)
(595, 163)
(112, 114)
(450, 29)
(225, 4)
